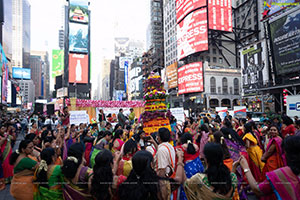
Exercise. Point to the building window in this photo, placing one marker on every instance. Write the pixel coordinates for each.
(213, 85)
(225, 85)
(215, 51)
(221, 60)
(214, 59)
(236, 86)
(208, 59)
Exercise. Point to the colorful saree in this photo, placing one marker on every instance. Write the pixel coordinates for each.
(255, 153)
(198, 188)
(276, 160)
(284, 183)
(55, 180)
(6, 151)
(191, 168)
(22, 183)
(78, 191)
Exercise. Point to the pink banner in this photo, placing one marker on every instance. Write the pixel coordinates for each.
(190, 78)
(220, 15)
(192, 34)
(184, 7)
(108, 104)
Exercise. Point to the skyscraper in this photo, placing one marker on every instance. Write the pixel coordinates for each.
(21, 33)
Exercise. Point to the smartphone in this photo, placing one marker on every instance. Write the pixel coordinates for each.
(147, 138)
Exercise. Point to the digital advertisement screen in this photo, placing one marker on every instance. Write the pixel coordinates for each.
(192, 34)
(21, 73)
(5, 75)
(78, 37)
(79, 11)
(171, 73)
(220, 15)
(57, 62)
(190, 78)
(285, 37)
(184, 7)
(78, 68)
(273, 6)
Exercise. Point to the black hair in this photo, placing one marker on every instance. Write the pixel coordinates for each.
(142, 182)
(204, 128)
(217, 173)
(69, 168)
(291, 146)
(102, 174)
(117, 135)
(42, 178)
(14, 156)
(44, 134)
(242, 121)
(154, 136)
(297, 122)
(30, 136)
(185, 138)
(218, 139)
(287, 120)
(128, 127)
(227, 123)
(120, 109)
(116, 127)
(164, 134)
(186, 123)
(130, 146)
(249, 115)
(205, 120)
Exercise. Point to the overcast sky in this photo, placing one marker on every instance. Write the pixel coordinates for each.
(109, 19)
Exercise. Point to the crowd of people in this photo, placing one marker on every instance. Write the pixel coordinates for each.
(203, 158)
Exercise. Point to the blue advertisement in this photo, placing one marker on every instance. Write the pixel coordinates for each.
(21, 73)
(78, 37)
(125, 74)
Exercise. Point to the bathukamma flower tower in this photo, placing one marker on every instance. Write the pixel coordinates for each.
(156, 114)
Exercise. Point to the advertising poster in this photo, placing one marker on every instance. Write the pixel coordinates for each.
(78, 37)
(21, 73)
(79, 116)
(285, 37)
(57, 62)
(272, 6)
(5, 73)
(190, 78)
(78, 68)
(111, 114)
(79, 11)
(184, 7)
(135, 75)
(0, 88)
(192, 34)
(222, 112)
(178, 113)
(9, 91)
(254, 67)
(171, 72)
(239, 112)
(293, 105)
(220, 15)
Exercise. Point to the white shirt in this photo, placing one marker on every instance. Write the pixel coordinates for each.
(163, 158)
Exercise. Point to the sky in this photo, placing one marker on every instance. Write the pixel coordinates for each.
(109, 19)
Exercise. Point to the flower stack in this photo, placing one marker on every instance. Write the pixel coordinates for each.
(156, 115)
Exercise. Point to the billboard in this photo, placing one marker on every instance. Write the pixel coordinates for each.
(78, 37)
(220, 15)
(285, 38)
(57, 62)
(184, 7)
(78, 68)
(135, 75)
(293, 105)
(5, 72)
(121, 45)
(254, 67)
(171, 72)
(190, 78)
(79, 11)
(192, 34)
(9, 91)
(273, 6)
(21, 73)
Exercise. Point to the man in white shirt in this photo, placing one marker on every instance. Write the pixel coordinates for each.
(165, 155)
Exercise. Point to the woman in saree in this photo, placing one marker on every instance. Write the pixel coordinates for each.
(22, 183)
(75, 173)
(273, 157)
(217, 183)
(48, 177)
(283, 182)
(36, 150)
(99, 145)
(254, 152)
(116, 143)
(192, 162)
(6, 151)
(105, 172)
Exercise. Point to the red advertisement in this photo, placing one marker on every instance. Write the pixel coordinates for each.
(78, 68)
(220, 16)
(192, 34)
(184, 7)
(190, 78)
